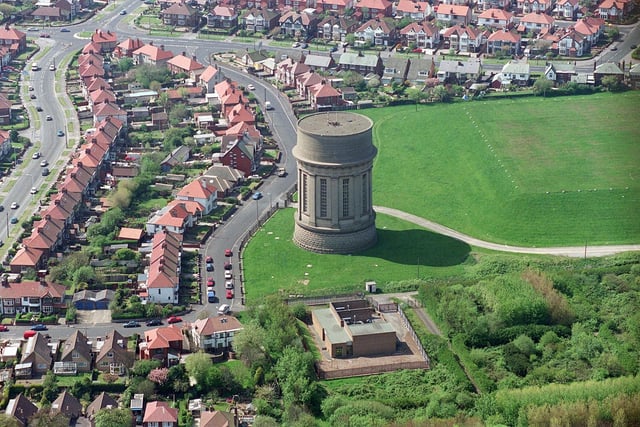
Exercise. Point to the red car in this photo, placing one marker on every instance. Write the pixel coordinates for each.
(29, 334)
(209, 260)
(228, 252)
(174, 319)
(210, 281)
(229, 293)
(3, 328)
(228, 266)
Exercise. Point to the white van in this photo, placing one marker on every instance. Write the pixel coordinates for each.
(267, 105)
(35, 67)
(224, 309)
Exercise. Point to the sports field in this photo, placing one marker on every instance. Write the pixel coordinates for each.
(530, 171)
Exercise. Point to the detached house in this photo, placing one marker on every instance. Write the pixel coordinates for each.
(464, 39)
(504, 42)
(496, 18)
(567, 9)
(215, 334)
(377, 33)
(160, 414)
(180, 15)
(591, 28)
(183, 64)
(414, 10)
(102, 401)
(164, 344)
(199, 190)
(76, 353)
(222, 17)
(613, 10)
(22, 409)
(113, 357)
(67, 405)
(37, 354)
(367, 9)
(536, 23)
(535, 6)
(453, 14)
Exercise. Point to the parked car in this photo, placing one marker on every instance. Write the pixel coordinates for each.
(209, 266)
(228, 274)
(131, 324)
(228, 252)
(33, 190)
(154, 322)
(36, 155)
(210, 281)
(44, 163)
(52, 67)
(228, 284)
(211, 296)
(13, 220)
(123, 12)
(257, 195)
(229, 293)
(38, 108)
(1, 208)
(1, 242)
(45, 171)
(209, 260)
(251, 87)
(3, 328)
(174, 319)
(296, 44)
(39, 327)
(32, 96)
(28, 334)
(228, 266)
(15, 205)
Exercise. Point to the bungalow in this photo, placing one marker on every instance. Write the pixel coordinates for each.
(160, 414)
(199, 190)
(164, 344)
(459, 72)
(496, 18)
(423, 34)
(215, 334)
(216, 419)
(51, 14)
(608, 69)
(183, 64)
(178, 156)
(37, 353)
(30, 296)
(515, 72)
(319, 62)
(420, 70)
(27, 258)
(77, 352)
(376, 32)
(22, 409)
(102, 401)
(113, 357)
(395, 70)
(226, 178)
(560, 72)
(361, 63)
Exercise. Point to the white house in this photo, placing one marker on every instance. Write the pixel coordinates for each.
(215, 333)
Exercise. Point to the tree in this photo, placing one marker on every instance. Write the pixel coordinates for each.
(125, 64)
(109, 417)
(8, 421)
(178, 113)
(46, 418)
(612, 84)
(296, 375)
(249, 344)
(49, 387)
(142, 368)
(84, 274)
(158, 375)
(197, 366)
(541, 86)
(351, 78)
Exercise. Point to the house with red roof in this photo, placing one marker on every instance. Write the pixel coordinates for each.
(367, 9)
(173, 218)
(164, 344)
(91, 47)
(109, 109)
(453, 14)
(241, 153)
(113, 357)
(591, 28)
(572, 44)
(215, 334)
(493, 4)
(31, 296)
(162, 276)
(180, 15)
(208, 78)
(127, 47)
(160, 414)
(5, 118)
(184, 64)
(27, 258)
(336, 7)
(288, 70)
(150, 54)
(414, 10)
(216, 419)
(376, 32)
(90, 69)
(199, 190)
(107, 40)
(464, 39)
(504, 41)
(240, 113)
(222, 17)
(324, 96)
(294, 5)
(496, 18)
(613, 10)
(567, 9)
(424, 34)
(536, 23)
(101, 95)
(14, 41)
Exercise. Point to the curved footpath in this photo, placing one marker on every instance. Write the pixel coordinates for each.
(570, 251)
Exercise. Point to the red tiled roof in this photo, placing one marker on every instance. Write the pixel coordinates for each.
(30, 288)
(160, 412)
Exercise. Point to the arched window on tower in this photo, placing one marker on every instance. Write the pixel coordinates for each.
(345, 197)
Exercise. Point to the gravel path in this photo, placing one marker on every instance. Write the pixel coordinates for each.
(570, 251)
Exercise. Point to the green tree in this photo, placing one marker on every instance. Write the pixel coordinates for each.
(125, 64)
(296, 376)
(8, 421)
(249, 344)
(147, 73)
(177, 114)
(109, 417)
(125, 254)
(49, 387)
(612, 84)
(84, 274)
(197, 366)
(542, 85)
(142, 368)
(46, 418)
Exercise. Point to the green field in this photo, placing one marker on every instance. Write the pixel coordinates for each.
(532, 171)
(273, 263)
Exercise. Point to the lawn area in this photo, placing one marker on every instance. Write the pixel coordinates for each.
(533, 171)
(68, 381)
(404, 251)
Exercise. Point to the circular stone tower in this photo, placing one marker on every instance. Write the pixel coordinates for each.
(334, 155)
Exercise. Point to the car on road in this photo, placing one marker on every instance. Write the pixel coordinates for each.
(36, 155)
(228, 274)
(1, 242)
(131, 324)
(304, 45)
(45, 171)
(15, 205)
(39, 327)
(45, 35)
(257, 195)
(614, 48)
(64, 30)
(209, 266)
(228, 252)
(229, 293)
(123, 12)
(33, 190)
(13, 220)
(633, 46)
(44, 163)
(251, 87)
(208, 259)
(228, 266)
(1, 208)
(154, 322)
(174, 319)
(210, 281)
(28, 334)
(30, 88)
(48, 118)
(52, 67)
(3, 328)
(228, 284)
(60, 133)
(224, 309)
(296, 44)
(282, 172)
(211, 295)
(38, 108)
(32, 96)
(32, 29)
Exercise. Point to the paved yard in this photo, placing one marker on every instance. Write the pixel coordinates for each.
(93, 317)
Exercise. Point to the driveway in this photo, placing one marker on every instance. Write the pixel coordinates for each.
(92, 317)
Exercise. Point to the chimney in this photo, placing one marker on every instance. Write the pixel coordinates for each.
(184, 53)
(79, 165)
(43, 282)
(4, 280)
(56, 202)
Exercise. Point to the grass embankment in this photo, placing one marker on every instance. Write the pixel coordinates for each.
(533, 172)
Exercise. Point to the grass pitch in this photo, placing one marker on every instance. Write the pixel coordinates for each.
(532, 171)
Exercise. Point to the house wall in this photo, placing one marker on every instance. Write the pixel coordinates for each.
(162, 295)
(367, 345)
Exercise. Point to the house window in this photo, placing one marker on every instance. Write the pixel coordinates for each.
(110, 355)
(365, 195)
(47, 309)
(305, 198)
(323, 197)
(75, 355)
(345, 197)
(159, 291)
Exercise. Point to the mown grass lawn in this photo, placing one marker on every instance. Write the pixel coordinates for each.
(273, 263)
(532, 171)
